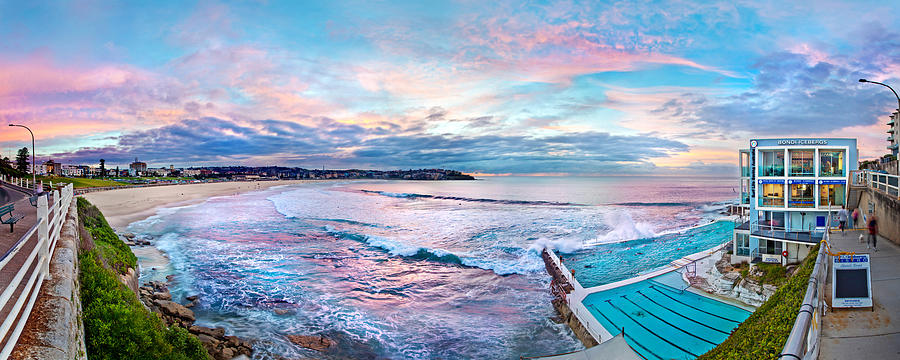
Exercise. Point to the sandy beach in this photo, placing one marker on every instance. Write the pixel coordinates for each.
(125, 206)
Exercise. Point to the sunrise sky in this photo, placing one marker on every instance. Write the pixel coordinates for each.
(489, 87)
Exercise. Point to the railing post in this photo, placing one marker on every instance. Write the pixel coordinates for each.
(44, 234)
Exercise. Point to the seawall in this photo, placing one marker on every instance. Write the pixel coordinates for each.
(560, 287)
(886, 208)
(54, 330)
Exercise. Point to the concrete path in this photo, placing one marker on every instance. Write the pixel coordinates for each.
(863, 333)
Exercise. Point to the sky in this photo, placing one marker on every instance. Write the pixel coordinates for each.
(486, 87)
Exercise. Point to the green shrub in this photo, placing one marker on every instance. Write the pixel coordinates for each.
(114, 251)
(117, 326)
(763, 334)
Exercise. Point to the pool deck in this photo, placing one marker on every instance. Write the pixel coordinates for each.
(870, 333)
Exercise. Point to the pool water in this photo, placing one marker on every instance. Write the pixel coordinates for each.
(663, 321)
(608, 263)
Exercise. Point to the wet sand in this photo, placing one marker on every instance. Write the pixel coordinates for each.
(125, 206)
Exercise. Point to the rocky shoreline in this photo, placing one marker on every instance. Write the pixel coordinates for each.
(156, 296)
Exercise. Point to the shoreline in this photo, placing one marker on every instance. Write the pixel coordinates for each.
(121, 207)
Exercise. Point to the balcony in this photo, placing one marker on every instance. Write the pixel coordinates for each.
(811, 236)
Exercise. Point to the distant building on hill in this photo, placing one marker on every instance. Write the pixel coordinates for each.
(137, 168)
(51, 167)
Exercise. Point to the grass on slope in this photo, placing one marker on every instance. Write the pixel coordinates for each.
(763, 334)
(79, 182)
(116, 253)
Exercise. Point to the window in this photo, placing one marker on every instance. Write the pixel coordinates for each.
(831, 195)
(802, 163)
(770, 247)
(742, 244)
(802, 196)
(771, 195)
(771, 163)
(831, 163)
(745, 191)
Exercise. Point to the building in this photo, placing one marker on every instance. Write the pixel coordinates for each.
(137, 168)
(50, 167)
(894, 133)
(72, 170)
(789, 186)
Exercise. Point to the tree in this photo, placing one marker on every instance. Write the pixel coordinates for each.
(102, 168)
(22, 160)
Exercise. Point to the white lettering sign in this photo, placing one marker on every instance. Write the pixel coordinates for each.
(802, 142)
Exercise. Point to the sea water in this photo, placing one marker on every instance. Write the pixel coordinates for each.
(413, 269)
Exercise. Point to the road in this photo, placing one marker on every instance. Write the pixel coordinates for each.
(8, 195)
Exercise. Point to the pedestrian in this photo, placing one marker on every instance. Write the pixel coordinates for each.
(855, 217)
(843, 216)
(873, 232)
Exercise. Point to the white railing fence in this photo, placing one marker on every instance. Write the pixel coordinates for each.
(889, 184)
(44, 236)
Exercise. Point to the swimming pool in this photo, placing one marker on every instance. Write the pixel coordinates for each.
(608, 263)
(661, 320)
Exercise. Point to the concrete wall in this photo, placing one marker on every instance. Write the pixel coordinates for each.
(887, 209)
(54, 329)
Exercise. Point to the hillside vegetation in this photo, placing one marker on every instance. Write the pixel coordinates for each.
(763, 334)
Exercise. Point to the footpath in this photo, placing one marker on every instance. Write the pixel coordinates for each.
(865, 333)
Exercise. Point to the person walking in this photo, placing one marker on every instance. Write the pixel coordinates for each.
(843, 216)
(855, 217)
(873, 232)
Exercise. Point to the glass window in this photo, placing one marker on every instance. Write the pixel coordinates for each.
(802, 162)
(771, 163)
(770, 247)
(742, 242)
(771, 195)
(802, 196)
(831, 163)
(831, 195)
(745, 191)
(745, 164)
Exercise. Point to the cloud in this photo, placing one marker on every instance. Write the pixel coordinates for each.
(211, 141)
(801, 92)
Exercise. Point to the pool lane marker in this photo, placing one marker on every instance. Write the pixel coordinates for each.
(668, 323)
(651, 331)
(679, 314)
(682, 291)
(622, 330)
(692, 307)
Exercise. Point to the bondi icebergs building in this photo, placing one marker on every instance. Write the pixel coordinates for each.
(788, 188)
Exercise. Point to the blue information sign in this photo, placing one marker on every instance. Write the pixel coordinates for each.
(771, 181)
(809, 182)
(832, 182)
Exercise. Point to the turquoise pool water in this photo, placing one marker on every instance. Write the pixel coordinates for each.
(662, 321)
(608, 263)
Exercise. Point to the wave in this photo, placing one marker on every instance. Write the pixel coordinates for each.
(524, 264)
(460, 198)
(653, 204)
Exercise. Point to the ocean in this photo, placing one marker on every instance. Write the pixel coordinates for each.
(413, 269)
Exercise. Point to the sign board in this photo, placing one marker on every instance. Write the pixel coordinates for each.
(768, 258)
(852, 286)
(832, 182)
(808, 182)
(771, 181)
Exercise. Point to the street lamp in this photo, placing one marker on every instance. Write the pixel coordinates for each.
(885, 85)
(33, 174)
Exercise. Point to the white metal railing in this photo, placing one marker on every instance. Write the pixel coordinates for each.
(44, 235)
(803, 342)
(889, 184)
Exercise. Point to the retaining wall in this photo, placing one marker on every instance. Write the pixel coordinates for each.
(887, 209)
(54, 329)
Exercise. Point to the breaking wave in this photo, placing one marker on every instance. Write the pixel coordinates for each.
(460, 198)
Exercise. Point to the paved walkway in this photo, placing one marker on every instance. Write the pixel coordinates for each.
(864, 333)
(8, 240)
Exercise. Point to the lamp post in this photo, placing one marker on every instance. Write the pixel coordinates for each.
(33, 174)
(885, 85)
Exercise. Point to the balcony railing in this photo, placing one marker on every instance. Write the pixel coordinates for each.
(889, 184)
(810, 235)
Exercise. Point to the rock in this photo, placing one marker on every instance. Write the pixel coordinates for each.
(241, 357)
(216, 333)
(162, 296)
(318, 343)
(175, 310)
(281, 311)
(192, 298)
(169, 278)
(225, 354)
(129, 236)
(190, 304)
